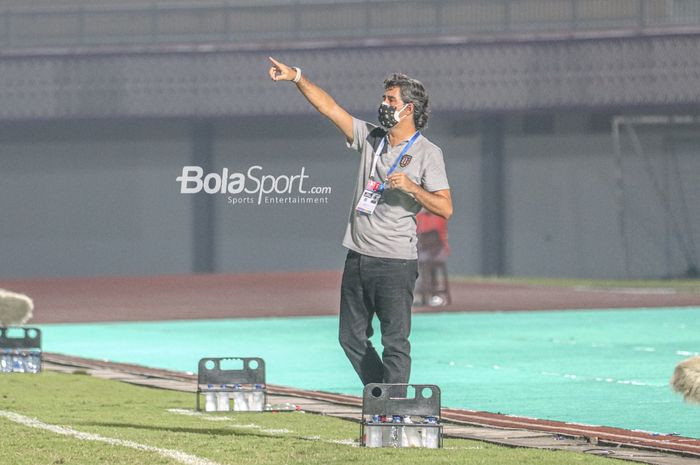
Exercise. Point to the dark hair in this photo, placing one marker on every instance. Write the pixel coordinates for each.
(412, 91)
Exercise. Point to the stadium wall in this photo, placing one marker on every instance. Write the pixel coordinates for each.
(91, 141)
(100, 198)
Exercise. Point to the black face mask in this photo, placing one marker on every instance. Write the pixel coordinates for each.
(389, 115)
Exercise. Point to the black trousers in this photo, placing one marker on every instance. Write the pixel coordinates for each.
(383, 287)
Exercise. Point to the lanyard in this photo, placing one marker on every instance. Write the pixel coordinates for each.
(378, 152)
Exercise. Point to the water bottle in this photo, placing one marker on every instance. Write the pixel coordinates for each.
(210, 399)
(411, 436)
(257, 401)
(29, 363)
(223, 402)
(373, 432)
(33, 362)
(6, 361)
(37, 361)
(240, 400)
(396, 431)
(18, 362)
(386, 430)
(431, 434)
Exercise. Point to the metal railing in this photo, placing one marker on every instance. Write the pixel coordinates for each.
(308, 19)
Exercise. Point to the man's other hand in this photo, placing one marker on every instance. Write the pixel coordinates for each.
(402, 182)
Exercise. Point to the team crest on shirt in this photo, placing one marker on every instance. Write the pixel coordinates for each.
(405, 161)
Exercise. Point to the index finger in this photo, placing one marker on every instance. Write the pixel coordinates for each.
(275, 62)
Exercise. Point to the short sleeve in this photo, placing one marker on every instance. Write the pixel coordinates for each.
(360, 132)
(435, 175)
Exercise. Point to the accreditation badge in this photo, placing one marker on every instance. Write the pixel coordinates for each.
(370, 197)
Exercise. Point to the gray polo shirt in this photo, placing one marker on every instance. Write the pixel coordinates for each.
(391, 231)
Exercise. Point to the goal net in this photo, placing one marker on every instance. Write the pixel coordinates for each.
(657, 161)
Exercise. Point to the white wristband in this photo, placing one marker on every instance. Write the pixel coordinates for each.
(297, 78)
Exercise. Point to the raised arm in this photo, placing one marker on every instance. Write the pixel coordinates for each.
(319, 98)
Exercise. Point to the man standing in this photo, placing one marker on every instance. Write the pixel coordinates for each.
(400, 172)
(433, 249)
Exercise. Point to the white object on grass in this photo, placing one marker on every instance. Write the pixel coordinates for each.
(686, 379)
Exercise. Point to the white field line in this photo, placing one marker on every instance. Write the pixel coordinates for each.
(180, 456)
(204, 416)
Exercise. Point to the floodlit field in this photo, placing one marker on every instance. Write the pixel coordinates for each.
(55, 418)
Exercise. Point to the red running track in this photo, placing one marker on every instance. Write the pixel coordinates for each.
(72, 300)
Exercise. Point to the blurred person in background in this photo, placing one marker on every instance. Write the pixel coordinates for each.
(433, 250)
(400, 172)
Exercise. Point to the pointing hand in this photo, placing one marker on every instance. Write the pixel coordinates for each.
(280, 71)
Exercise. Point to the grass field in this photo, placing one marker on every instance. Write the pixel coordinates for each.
(55, 418)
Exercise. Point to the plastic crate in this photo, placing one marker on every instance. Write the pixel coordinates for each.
(20, 354)
(391, 418)
(239, 390)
